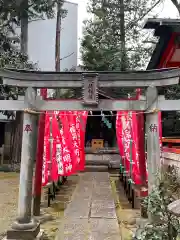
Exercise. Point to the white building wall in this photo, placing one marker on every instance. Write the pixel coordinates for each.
(41, 40)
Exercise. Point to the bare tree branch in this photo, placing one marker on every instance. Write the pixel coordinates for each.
(67, 56)
(131, 24)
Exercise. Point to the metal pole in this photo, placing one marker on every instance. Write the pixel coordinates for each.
(39, 161)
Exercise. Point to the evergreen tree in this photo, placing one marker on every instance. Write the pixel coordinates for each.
(19, 13)
(12, 11)
(113, 37)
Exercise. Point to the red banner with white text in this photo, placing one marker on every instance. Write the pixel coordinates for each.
(46, 154)
(128, 143)
(136, 174)
(119, 136)
(65, 143)
(81, 119)
(57, 160)
(126, 135)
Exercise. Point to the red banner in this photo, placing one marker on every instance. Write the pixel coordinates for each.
(67, 143)
(128, 142)
(70, 159)
(76, 122)
(160, 128)
(136, 175)
(141, 147)
(46, 154)
(119, 136)
(75, 136)
(57, 160)
(126, 134)
(81, 119)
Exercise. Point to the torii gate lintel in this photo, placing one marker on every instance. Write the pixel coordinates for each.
(138, 79)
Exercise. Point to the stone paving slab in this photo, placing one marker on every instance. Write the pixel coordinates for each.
(102, 196)
(76, 226)
(91, 213)
(78, 213)
(84, 194)
(101, 229)
(103, 209)
(75, 229)
(102, 190)
(104, 184)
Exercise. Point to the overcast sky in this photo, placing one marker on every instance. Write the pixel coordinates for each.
(166, 10)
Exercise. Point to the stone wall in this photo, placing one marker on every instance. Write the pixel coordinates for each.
(171, 159)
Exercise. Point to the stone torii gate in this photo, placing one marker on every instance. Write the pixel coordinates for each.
(25, 227)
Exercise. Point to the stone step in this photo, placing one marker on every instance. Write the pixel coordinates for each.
(109, 165)
(96, 168)
(103, 157)
(97, 162)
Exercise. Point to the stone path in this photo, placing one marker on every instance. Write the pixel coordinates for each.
(91, 214)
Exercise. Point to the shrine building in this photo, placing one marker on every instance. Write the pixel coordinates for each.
(166, 55)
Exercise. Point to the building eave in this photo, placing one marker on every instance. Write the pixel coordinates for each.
(155, 23)
(163, 29)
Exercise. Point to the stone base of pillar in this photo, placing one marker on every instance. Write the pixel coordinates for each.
(23, 232)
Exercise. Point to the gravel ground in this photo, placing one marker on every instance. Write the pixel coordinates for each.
(9, 185)
(8, 200)
(126, 215)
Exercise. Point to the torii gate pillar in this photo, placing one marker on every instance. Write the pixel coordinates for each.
(152, 134)
(25, 227)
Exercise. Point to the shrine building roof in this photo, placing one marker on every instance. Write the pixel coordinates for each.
(167, 51)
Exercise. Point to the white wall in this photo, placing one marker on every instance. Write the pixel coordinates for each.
(41, 45)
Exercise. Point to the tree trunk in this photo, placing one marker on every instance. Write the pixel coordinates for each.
(16, 151)
(24, 29)
(122, 37)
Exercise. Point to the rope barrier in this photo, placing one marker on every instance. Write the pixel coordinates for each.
(30, 111)
(90, 115)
